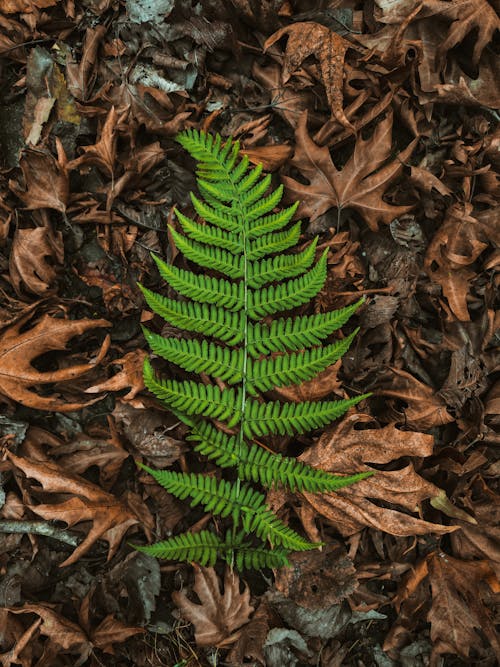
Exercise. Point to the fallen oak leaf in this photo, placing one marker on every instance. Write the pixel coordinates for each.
(344, 449)
(220, 615)
(359, 185)
(19, 348)
(88, 502)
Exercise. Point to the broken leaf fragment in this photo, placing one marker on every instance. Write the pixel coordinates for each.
(18, 349)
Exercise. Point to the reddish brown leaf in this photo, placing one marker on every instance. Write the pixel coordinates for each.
(19, 348)
(220, 615)
(46, 182)
(360, 184)
(87, 502)
(345, 449)
(14, 6)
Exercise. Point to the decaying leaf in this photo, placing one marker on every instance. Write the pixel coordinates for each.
(19, 348)
(424, 407)
(34, 258)
(65, 636)
(219, 617)
(46, 183)
(346, 449)
(459, 590)
(306, 39)
(360, 185)
(456, 246)
(86, 502)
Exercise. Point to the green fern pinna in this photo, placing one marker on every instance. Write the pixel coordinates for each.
(231, 307)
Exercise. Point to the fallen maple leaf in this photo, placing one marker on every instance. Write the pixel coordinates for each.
(19, 348)
(130, 376)
(344, 449)
(110, 518)
(359, 185)
(220, 615)
(306, 39)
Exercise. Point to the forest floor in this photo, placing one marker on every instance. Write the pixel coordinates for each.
(381, 117)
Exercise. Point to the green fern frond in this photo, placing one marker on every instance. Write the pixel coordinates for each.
(203, 548)
(256, 464)
(276, 418)
(194, 398)
(294, 367)
(242, 239)
(203, 289)
(242, 503)
(198, 356)
(288, 295)
(197, 317)
(295, 333)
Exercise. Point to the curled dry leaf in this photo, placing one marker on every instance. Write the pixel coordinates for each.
(87, 502)
(345, 449)
(131, 376)
(359, 185)
(19, 348)
(425, 408)
(69, 637)
(456, 245)
(220, 615)
(306, 39)
(33, 259)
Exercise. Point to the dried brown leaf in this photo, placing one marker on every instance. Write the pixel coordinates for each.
(87, 502)
(359, 185)
(112, 631)
(220, 615)
(46, 183)
(457, 610)
(34, 256)
(19, 348)
(345, 449)
(25, 6)
(306, 39)
(130, 376)
(424, 407)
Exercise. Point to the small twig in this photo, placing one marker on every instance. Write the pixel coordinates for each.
(39, 528)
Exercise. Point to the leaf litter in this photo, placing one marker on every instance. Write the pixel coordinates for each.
(382, 118)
